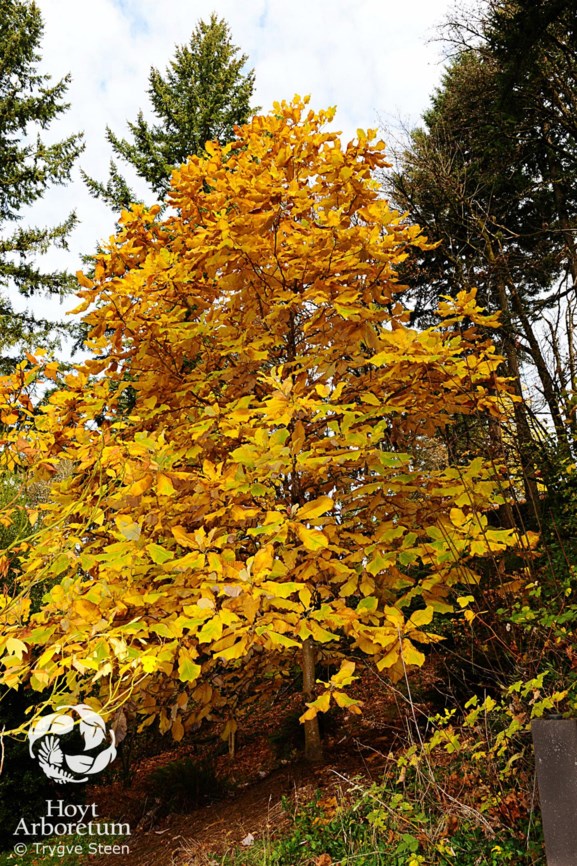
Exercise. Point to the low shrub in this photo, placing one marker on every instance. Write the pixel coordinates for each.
(186, 784)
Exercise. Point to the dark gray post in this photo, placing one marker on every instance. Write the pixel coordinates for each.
(555, 742)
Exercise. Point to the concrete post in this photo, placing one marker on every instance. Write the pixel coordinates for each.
(555, 742)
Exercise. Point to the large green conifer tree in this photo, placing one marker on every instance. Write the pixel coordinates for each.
(201, 97)
(29, 102)
(492, 174)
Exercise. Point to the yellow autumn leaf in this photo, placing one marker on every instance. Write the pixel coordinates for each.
(177, 730)
(421, 617)
(458, 518)
(127, 527)
(305, 596)
(164, 485)
(235, 651)
(86, 609)
(281, 639)
(312, 539)
(464, 600)
(389, 659)
(308, 715)
(188, 669)
(149, 663)
(395, 616)
(411, 655)
(320, 634)
(320, 705)
(345, 674)
(137, 488)
(346, 702)
(32, 515)
(182, 537)
(281, 590)
(262, 561)
(16, 647)
(315, 508)
(159, 554)
(211, 630)
(84, 281)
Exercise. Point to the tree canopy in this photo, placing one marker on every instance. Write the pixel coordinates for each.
(247, 449)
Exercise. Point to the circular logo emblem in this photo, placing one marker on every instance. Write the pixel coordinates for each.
(72, 746)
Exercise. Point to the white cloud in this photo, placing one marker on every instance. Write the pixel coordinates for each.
(369, 57)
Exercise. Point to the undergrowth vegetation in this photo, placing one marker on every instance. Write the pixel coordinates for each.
(461, 790)
(464, 795)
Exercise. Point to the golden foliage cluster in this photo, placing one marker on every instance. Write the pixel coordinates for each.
(240, 481)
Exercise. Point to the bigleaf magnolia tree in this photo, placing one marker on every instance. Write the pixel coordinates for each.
(241, 479)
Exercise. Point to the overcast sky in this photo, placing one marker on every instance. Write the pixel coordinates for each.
(373, 59)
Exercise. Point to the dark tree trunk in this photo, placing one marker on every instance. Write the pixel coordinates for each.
(313, 744)
(525, 440)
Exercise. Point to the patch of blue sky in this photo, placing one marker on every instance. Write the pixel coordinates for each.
(262, 19)
(130, 10)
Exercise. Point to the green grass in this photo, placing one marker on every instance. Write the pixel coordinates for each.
(382, 827)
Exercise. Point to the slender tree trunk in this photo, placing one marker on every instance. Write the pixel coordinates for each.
(571, 346)
(525, 440)
(570, 409)
(313, 744)
(498, 457)
(526, 443)
(547, 382)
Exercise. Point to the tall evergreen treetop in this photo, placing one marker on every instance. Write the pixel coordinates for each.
(201, 97)
(493, 175)
(29, 102)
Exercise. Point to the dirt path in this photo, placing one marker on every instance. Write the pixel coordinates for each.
(220, 826)
(256, 809)
(357, 749)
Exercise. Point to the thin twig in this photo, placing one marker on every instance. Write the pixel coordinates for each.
(2, 749)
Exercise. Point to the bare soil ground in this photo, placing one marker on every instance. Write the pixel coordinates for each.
(357, 746)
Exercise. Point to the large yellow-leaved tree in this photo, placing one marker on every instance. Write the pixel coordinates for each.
(239, 467)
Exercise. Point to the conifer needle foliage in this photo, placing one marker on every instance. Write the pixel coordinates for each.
(202, 95)
(29, 104)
